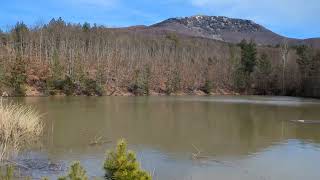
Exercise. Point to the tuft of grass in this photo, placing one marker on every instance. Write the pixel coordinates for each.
(19, 126)
(7, 173)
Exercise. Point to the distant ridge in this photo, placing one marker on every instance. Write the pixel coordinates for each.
(226, 29)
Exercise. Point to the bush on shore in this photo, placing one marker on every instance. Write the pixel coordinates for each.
(87, 86)
(17, 78)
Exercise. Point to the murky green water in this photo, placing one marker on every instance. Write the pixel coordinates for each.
(245, 137)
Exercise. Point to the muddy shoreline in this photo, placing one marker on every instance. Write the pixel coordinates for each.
(33, 92)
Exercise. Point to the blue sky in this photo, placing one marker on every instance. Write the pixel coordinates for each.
(293, 18)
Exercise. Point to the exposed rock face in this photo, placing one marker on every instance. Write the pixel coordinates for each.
(216, 24)
(226, 29)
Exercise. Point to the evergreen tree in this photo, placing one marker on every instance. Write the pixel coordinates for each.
(248, 56)
(246, 66)
(262, 74)
(55, 81)
(173, 83)
(86, 27)
(17, 77)
(304, 60)
(140, 86)
(122, 165)
(309, 65)
(207, 87)
(76, 172)
(264, 65)
(19, 33)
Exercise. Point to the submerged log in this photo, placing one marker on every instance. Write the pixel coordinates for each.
(306, 121)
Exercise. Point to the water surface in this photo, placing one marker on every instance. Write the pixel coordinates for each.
(244, 137)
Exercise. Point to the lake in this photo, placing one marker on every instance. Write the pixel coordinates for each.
(241, 137)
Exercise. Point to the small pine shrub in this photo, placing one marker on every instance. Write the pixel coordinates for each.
(140, 86)
(68, 86)
(76, 172)
(241, 79)
(173, 82)
(91, 87)
(122, 165)
(173, 37)
(207, 87)
(17, 77)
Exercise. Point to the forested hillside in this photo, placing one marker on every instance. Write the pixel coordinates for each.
(83, 59)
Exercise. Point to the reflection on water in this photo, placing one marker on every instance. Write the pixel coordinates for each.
(247, 135)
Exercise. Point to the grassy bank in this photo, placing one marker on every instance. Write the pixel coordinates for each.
(19, 126)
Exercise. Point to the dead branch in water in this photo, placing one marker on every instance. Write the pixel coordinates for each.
(98, 140)
(16, 164)
(198, 154)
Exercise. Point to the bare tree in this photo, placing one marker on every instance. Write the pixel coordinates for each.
(284, 50)
(112, 56)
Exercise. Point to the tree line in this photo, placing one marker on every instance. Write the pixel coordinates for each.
(83, 59)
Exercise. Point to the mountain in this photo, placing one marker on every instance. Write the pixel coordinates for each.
(224, 29)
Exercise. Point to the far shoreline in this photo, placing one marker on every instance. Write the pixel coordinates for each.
(155, 94)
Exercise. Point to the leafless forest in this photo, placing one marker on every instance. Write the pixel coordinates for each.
(82, 59)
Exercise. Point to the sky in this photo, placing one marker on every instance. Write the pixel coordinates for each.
(292, 18)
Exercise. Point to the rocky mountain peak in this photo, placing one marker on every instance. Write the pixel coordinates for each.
(216, 24)
(226, 29)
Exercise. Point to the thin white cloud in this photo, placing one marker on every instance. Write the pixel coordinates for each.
(204, 3)
(294, 10)
(98, 3)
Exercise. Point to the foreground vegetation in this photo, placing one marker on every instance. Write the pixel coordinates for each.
(123, 165)
(120, 164)
(74, 59)
(19, 125)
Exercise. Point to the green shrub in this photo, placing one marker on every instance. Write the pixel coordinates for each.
(87, 86)
(17, 77)
(207, 87)
(91, 87)
(123, 165)
(173, 83)
(140, 86)
(241, 79)
(68, 86)
(76, 172)
(262, 75)
(244, 68)
(173, 37)
(248, 56)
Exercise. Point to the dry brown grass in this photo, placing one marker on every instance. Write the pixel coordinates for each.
(19, 126)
